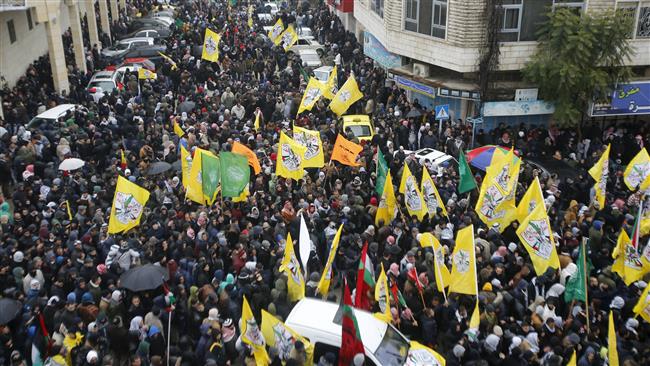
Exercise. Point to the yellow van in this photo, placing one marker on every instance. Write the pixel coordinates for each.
(360, 125)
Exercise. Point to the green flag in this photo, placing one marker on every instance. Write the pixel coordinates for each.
(382, 172)
(467, 182)
(210, 176)
(304, 73)
(235, 174)
(575, 286)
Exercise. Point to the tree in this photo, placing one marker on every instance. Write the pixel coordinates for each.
(580, 57)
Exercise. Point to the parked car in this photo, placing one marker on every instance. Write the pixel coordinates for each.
(306, 44)
(310, 58)
(155, 33)
(125, 45)
(141, 23)
(271, 8)
(50, 116)
(383, 344)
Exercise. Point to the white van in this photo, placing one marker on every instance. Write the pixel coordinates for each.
(50, 116)
(320, 322)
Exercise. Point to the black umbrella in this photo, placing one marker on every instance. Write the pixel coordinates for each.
(158, 167)
(413, 113)
(9, 310)
(177, 165)
(142, 278)
(186, 107)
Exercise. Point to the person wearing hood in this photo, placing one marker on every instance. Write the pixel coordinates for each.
(157, 342)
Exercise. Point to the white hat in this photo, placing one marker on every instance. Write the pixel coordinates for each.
(18, 257)
(213, 314)
(91, 355)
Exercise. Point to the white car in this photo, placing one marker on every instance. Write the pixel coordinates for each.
(310, 58)
(323, 73)
(384, 345)
(306, 44)
(431, 158)
(50, 116)
(305, 32)
(102, 83)
(265, 17)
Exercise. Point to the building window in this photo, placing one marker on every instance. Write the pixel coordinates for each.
(643, 25)
(510, 20)
(577, 5)
(11, 30)
(411, 17)
(640, 13)
(30, 24)
(378, 7)
(439, 23)
(427, 17)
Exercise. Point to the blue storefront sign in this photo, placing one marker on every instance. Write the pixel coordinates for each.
(519, 108)
(627, 99)
(376, 51)
(414, 86)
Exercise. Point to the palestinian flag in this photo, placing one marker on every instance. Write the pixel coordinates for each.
(397, 295)
(634, 238)
(413, 276)
(365, 280)
(351, 344)
(123, 163)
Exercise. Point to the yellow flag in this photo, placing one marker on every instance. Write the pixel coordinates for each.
(387, 209)
(186, 165)
(287, 38)
(441, 272)
(289, 160)
(325, 279)
(637, 170)
(128, 204)
(170, 60)
(178, 130)
(67, 205)
(530, 200)
(275, 32)
(313, 92)
(642, 307)
(346, 96)
(211, 46)
(257, 120)
(252, 335)
(250, 16)
(463, 271)
(431, 195)
(144, 74)
(600, 172)
(194, 188)
(612, 353)
(537, 237)
(310, 139)
(572, 360)
(496, 200)
(331, 87)
(423, 355)
(475, 320)
(291, 266)
(382, 296)
(243, 196)
(412, 196)
(627, 261)
(279, 335)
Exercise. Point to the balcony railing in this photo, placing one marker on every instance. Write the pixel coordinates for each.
(8, 5)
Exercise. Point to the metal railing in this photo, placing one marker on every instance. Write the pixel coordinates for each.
(12, 5)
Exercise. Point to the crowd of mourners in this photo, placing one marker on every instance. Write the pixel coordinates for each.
(65, 269)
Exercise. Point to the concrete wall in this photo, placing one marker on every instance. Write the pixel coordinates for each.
(29, 45)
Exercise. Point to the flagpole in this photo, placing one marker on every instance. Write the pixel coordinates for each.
(584, 268)
(475, 269)
(169, 333)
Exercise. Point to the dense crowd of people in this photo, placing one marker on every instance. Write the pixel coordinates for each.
(65, 269)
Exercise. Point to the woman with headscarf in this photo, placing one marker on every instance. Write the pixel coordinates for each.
(63, 149)
(137, 332)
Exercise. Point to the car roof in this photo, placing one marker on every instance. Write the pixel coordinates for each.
(56, 112)
(307, 51)
(356, 118)
(324, 69)
(102, 75)
(302, 320)
(136, 39)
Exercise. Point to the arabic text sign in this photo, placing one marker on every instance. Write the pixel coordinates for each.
(627, 99)
(414, 86)
(376, 51)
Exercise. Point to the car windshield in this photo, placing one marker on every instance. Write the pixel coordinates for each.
(121, 46)
(393, 349)
(360, 130)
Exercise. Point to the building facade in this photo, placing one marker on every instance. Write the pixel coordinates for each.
(439, 44)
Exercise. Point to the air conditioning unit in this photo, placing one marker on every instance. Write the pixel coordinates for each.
(420, 70)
